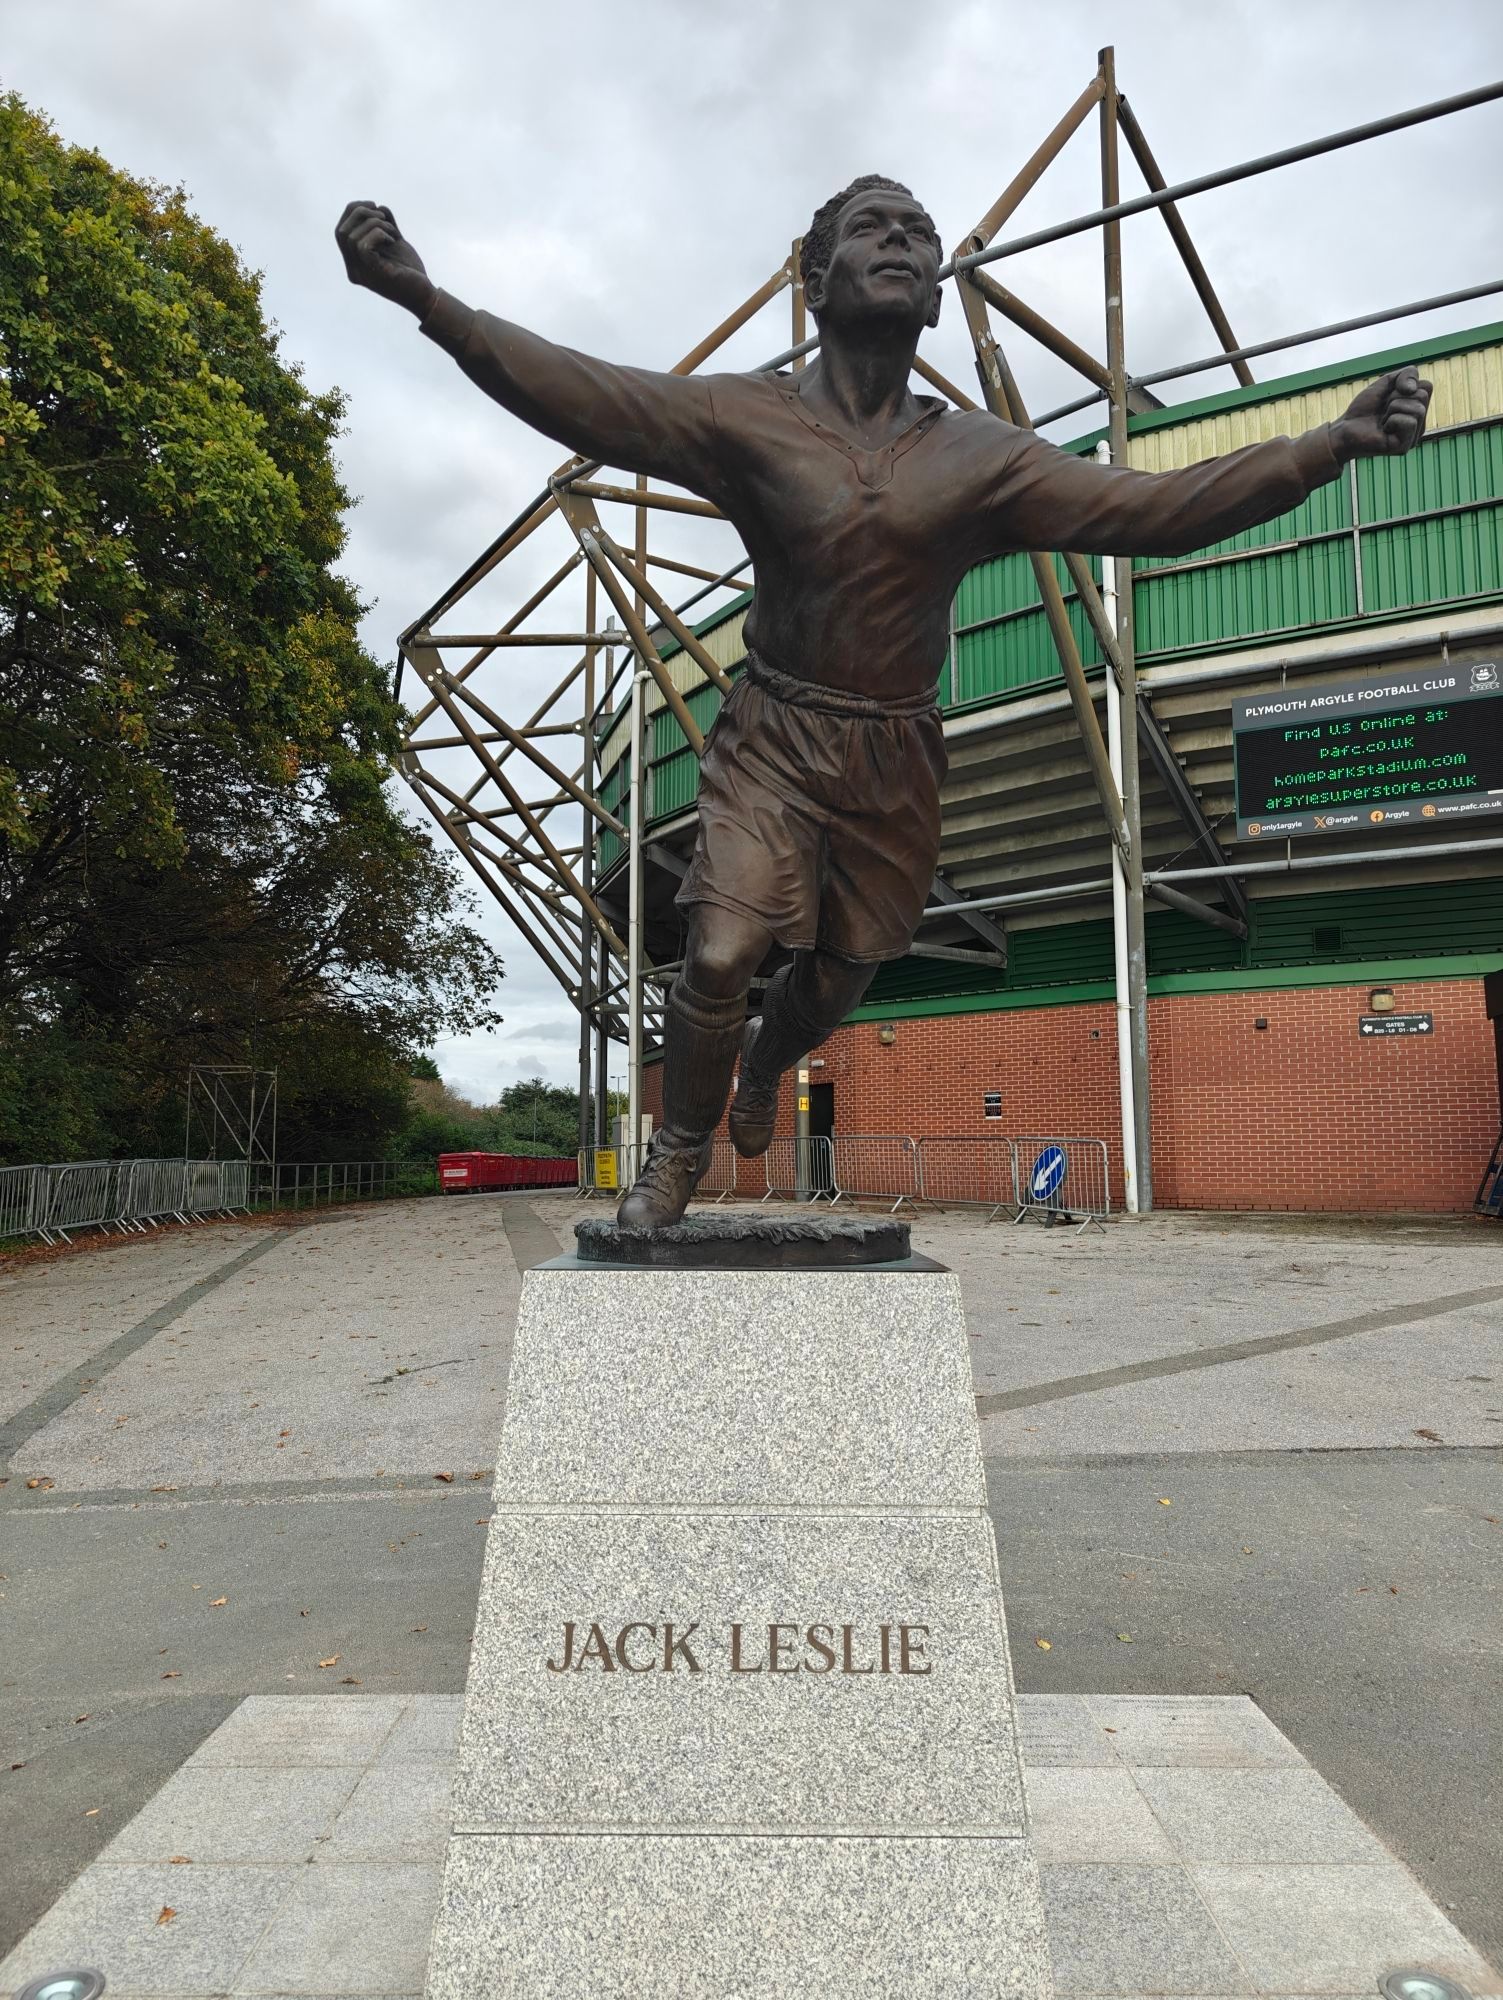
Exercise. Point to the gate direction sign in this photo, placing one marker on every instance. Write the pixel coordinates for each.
(1404, 751)
(1048, 1173)
(1396, 1024)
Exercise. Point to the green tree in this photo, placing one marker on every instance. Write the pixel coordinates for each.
(200, 853)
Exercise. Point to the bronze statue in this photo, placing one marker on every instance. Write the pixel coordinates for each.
(861, 506)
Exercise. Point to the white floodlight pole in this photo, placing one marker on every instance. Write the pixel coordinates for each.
(1119, 899)
(636, 832)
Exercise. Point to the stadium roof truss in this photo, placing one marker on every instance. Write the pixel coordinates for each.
(633, 657)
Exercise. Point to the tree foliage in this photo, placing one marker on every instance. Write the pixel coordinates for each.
(200, 854)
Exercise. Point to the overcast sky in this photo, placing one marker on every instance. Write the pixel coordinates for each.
(620, 177)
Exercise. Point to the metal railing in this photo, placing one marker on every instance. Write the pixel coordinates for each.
(56, 1201)
(800, 1166)
(720, 1176)
(309, 1183)
(23, 1192)
(877, 1166)
(979, 1172)
(1056, 1180)
(1062, 1180)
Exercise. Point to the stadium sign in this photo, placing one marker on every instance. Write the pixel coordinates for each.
(1410, 750)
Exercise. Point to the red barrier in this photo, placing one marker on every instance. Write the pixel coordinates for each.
(479, 1173)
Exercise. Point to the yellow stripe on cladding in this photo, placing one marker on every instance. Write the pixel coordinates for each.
(725, 645)
(1468, 388)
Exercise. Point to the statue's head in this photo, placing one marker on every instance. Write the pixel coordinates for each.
(872, 254)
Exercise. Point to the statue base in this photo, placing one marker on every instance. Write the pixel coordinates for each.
(730, 1242)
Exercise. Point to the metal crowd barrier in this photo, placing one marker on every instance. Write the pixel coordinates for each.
(23, 1200)
(799, 1166)
(54, 1201)
(977, 1172)
(882, 1166)
(156, 1189)
(720, 1176)
(1062, 1180)
(83, 1194)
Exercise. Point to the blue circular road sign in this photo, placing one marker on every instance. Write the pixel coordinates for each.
(1048, 1173)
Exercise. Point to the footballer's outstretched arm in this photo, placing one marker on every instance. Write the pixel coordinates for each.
(639, 418)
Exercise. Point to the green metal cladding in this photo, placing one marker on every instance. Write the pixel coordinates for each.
(1389, 537)
(1439, 920)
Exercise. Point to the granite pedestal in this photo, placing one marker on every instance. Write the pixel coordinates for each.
(740, 1716)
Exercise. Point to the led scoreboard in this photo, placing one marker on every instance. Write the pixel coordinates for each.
(1413, 750)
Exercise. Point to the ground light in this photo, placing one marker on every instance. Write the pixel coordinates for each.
(63, 1986)
(1415, 1984)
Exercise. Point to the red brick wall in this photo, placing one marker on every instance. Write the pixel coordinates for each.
(1304, 1114)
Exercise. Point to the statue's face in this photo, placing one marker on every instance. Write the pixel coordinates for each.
(883, 267)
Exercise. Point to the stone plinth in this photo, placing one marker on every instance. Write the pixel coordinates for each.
(740, 1716)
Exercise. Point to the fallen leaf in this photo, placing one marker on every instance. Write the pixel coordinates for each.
(1393, 1590)
(446, 1477)
(1108, 1728)
(180, 1860)
(198, 1586)
(215, 1602)
(482, 1520)
(1434, 1436)
(332, 1661)
(33, 1484)
(302, 1614)
(164, 1489)
(173, 1674)
(84, 1717)
(1044, 1645)
(1125, 1637)
(161, 1545)
(284, 1434)
(1166, 1503)
(419, 1628)
(477, 1475)
(350, 1681)
(1245, 1550)
(92, 1813)
(168, 1913)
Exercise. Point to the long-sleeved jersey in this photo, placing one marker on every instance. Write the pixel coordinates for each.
(858, 553)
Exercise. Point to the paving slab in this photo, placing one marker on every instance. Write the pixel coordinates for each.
(1217, 1816)
(399, 1812)
(1093, 1815)
(347, 1927)
(1134, 1929)
(1060, 1729)
(427, 1733)
(113, 1918)
(288, 1732)
(1199, 1731)
(1323, 1929)
(215, 1815)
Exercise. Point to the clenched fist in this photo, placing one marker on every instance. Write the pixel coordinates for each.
(378, 256)
(1387, 418)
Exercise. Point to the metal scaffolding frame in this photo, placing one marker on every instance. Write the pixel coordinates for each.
(232, 1111)
(553, 893)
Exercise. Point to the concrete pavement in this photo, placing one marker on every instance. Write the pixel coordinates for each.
(275, 1439)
